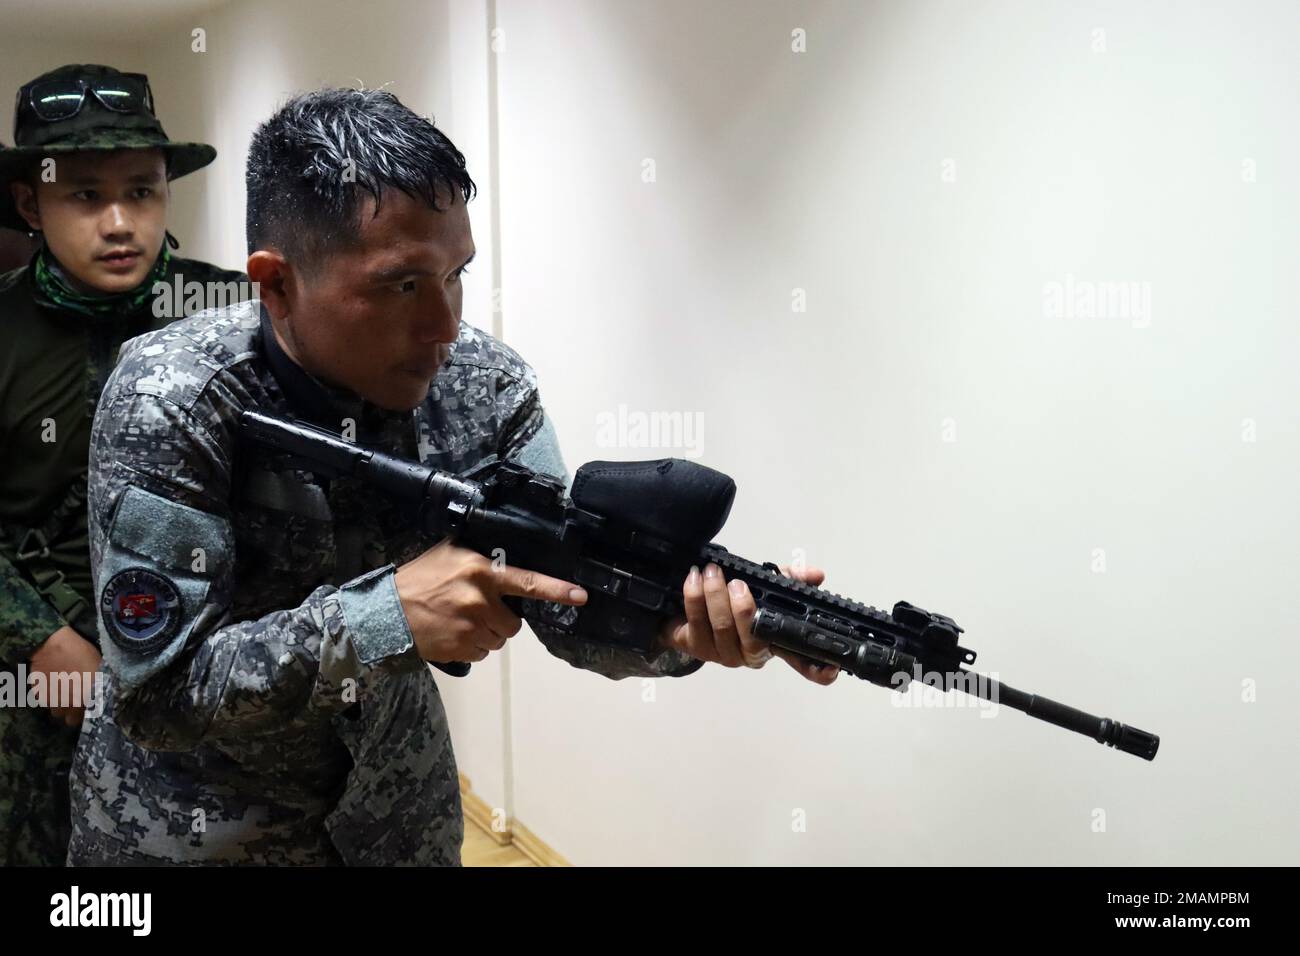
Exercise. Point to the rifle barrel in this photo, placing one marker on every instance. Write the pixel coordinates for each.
(1112, 733)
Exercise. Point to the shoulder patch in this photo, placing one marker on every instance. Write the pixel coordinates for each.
(159, 548)
(141, 609)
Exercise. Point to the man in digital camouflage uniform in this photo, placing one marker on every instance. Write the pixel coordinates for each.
(267, 631)
(89, 172)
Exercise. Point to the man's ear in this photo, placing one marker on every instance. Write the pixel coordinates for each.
(275, 281)
(25, 199)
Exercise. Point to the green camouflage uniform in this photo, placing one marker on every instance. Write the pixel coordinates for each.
(54, 360)
(57, 346)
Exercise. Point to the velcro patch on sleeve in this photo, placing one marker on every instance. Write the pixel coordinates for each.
(158, 564)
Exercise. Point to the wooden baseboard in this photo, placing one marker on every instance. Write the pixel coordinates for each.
(480, 814)
(515, 833)
(531, 846)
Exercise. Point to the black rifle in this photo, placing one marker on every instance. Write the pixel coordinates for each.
(630, 533)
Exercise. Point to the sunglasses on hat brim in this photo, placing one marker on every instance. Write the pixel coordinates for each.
(54, 100)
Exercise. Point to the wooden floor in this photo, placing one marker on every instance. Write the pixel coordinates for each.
(481, 850)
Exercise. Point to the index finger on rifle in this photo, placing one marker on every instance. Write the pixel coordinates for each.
(539, 587)
(808, 575)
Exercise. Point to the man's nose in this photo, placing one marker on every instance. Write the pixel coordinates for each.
(116, 222)
(440, 323)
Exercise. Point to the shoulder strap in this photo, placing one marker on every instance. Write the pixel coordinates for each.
(31, 555)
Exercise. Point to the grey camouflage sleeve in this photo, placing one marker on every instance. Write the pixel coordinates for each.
(162, 546)
(530, 439)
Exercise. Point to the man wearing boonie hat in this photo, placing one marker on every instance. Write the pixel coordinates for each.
(89, 173)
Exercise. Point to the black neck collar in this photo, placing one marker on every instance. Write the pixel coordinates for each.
(325, 405)
(307, 397)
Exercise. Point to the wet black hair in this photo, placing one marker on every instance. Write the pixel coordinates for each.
(310, 165)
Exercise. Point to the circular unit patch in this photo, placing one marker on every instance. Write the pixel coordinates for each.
(141, 609)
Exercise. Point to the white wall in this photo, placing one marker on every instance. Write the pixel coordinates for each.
(925, 301)
(825, 171)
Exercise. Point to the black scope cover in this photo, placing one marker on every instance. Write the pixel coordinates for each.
(681, 501)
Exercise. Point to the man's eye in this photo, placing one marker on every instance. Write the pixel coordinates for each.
(86, 194)
(143, 192)
(463, 270)
(405, 287)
